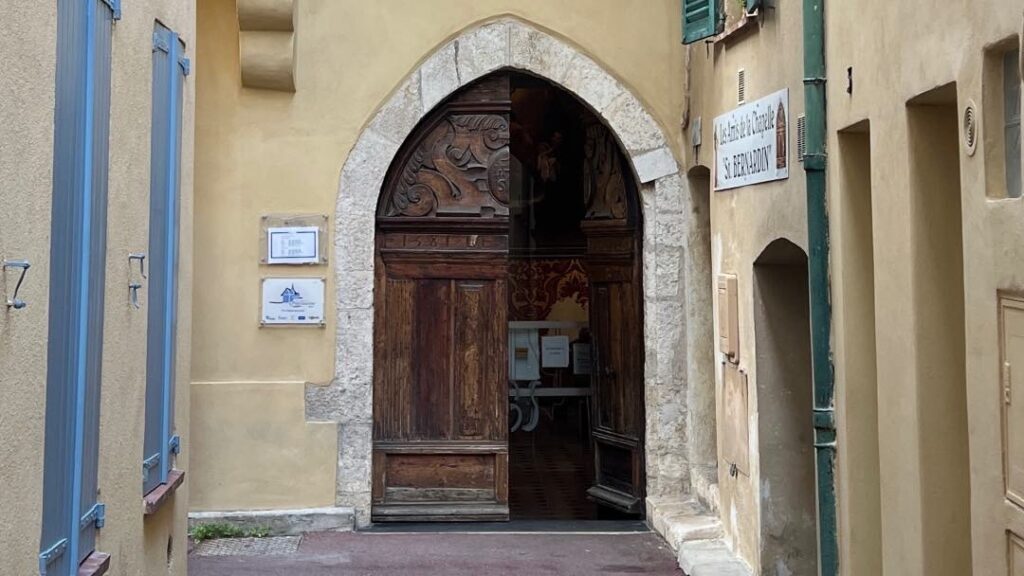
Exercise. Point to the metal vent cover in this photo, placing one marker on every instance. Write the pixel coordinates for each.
(741, 86)
(970, 128)
(801, 137)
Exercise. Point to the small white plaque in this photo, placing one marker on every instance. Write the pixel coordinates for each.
(293, 301)
(554, 351)
(293, 245)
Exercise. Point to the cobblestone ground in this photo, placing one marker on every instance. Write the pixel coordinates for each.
(371, 554)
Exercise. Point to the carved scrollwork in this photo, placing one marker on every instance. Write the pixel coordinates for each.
(460, 168)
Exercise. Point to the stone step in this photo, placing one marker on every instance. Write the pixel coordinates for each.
(696, 536)
(282, 522)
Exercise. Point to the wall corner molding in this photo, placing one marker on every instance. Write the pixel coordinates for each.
(266, 44)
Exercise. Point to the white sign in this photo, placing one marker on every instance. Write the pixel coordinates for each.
(554, 351)
(751, 143)
(293, 301)
(293, 245)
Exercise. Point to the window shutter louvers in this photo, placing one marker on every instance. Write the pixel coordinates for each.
(700, 20)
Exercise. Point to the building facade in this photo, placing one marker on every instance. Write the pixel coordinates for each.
(308, 390)
(764, 248)
(95, 155)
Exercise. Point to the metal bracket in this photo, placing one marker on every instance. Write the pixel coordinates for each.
(97, 514)
(51, 554)
(174, 444)
(148, 464)
(133, 287)
(14, 301)
(115, 7)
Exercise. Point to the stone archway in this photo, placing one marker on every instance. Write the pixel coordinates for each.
(481, 49)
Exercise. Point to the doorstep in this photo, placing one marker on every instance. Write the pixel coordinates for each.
(696, 536)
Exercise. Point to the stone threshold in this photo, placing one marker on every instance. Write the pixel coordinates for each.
(282, 522)
(696, 536)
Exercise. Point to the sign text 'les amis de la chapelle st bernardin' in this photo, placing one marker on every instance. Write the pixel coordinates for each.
(750, 143)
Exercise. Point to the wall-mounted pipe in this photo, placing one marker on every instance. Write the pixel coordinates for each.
(815, 163)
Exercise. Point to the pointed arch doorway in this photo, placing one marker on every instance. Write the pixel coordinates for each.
(507, 200)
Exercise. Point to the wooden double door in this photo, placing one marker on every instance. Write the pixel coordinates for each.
(440, 395)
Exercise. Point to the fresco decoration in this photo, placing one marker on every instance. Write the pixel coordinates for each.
(536, 285)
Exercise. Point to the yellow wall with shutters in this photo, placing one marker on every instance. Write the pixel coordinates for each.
(28, 39)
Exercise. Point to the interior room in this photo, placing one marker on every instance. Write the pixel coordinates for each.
(551, 461)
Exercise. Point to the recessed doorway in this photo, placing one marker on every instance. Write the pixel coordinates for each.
(508, 340)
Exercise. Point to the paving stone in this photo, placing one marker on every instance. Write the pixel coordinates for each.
(270, 546)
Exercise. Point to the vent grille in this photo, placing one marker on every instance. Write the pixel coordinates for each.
(741, 86)
(801, 137)
(970, 129)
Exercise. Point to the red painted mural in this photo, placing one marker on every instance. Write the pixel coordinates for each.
(537, 284)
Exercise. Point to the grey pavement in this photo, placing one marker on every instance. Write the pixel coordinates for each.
(449, 554)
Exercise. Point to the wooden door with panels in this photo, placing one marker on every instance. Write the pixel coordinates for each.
(613, 263)
(440, 436)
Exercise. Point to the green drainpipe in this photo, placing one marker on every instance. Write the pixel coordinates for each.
(815, 161)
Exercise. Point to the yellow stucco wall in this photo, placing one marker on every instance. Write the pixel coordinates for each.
(265, 152)
(899, 51)
(137, 545)
(26, 165)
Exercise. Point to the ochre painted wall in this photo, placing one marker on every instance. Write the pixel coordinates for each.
(898, 51)
(26, 166)
(28, 41)
(265, 152)
(744, 221)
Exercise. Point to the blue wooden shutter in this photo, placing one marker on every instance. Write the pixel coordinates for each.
(71, 513)
(169, 69)
(700, 20)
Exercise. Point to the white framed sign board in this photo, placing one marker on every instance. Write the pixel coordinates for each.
(293, 239)
(293, 245)
(292, 301)
(752, 142)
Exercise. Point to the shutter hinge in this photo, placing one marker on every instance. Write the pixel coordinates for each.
(115, 7)
(148, 464)
(174, 445)
(97, 514)
(186, 65)
(51, 554)
(1007, 386)
(160, 43)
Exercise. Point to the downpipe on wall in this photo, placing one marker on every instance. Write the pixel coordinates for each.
(815, 163)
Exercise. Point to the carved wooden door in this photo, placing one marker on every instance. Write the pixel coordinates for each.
(616, 323)
(440, 440)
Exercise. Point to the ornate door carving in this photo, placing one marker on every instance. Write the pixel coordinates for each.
(440, 402)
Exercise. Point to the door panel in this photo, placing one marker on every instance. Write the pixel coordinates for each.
(617, 379)
(440, 436)
(616, 321)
